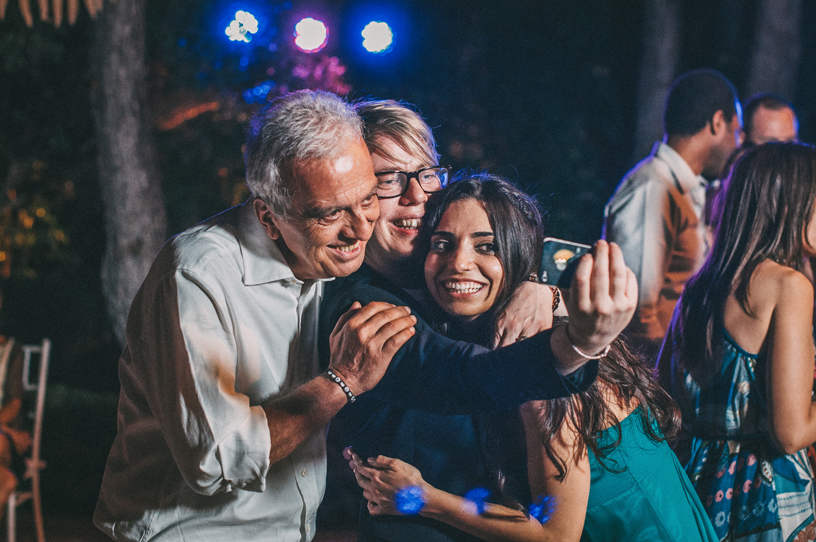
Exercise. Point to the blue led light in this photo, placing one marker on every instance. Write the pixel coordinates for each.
(543, 508)
(242, 27)
(377, 37)
(409, 500)
(478, 496)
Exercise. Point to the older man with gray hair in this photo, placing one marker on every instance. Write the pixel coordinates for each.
(222, 410)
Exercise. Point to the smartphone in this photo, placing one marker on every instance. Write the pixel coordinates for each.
(558, 260)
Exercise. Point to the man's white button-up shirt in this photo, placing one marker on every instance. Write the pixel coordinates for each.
(220, 325)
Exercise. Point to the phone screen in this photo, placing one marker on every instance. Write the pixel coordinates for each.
(557, 256)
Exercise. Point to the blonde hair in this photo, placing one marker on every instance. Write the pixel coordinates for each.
(399, 122)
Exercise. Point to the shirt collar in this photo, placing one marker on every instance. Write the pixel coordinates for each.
(263, 261)
(685, 177)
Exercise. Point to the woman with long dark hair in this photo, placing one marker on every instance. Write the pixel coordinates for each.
(739, 355)
(599, 455)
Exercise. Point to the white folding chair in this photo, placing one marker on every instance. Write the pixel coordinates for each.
(33, 462)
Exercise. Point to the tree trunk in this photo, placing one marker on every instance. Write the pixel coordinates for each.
(775, 62)
(128, 174)
(661, 51)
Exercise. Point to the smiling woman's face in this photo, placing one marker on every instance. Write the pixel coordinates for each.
(463, 273)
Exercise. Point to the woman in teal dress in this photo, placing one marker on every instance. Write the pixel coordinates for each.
(739, 357)
(592, 467)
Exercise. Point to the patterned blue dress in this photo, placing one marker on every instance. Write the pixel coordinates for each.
(751, 490)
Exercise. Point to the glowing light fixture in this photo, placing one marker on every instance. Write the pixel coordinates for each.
(311, 35)
(242, 27)
(377, 37)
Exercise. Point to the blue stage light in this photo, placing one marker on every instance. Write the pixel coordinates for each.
(409, 500)
(242, 27)
(311, 35)
(478, 496)
(378, 37)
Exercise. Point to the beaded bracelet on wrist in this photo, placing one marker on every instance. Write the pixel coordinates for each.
(556, 293)
(339, 381)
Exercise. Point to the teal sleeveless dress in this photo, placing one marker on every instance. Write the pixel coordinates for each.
(751, 491)
(643, 494)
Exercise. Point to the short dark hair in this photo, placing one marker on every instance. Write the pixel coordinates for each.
(693, 99)
(768, 100)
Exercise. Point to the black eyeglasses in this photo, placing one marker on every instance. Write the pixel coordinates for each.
(393, 184)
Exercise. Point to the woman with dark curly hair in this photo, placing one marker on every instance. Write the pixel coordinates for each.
(599, 455)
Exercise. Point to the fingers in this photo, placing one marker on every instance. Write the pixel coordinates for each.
(395, 333)
(374, 509)
(599, 287)
(378, 311)
(528, 311)
(631, 287)
(498, 336)
(373, 315)
(617, 274)
(355, 307)
(382, 462)
(382, 323)
(579, 292)
(357, 354)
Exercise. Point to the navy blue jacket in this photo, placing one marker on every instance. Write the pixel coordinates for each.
(421, 410)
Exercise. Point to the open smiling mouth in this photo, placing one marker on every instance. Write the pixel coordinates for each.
(348, 249)
(408, 223)
(462, 287)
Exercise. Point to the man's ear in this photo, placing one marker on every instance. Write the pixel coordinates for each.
(718, 122)
(266, 217)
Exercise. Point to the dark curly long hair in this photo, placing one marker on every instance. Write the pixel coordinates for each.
(516, 223)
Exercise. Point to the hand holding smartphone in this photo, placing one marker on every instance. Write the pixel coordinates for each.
(558, 261)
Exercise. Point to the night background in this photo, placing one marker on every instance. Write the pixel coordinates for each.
(559, 96)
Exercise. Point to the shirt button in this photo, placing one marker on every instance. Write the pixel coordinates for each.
(303, 473)
(307, 528)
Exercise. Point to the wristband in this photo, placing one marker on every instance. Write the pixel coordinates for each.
(602, 354)
(556, 293)
(349, 394)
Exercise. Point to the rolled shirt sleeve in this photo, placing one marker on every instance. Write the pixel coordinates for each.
(219, 326)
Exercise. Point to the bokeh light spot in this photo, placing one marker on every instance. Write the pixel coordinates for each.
(409, 500)
(377, 37)
(242, 27)
(311, 35)
(478, 496)
(543, 508)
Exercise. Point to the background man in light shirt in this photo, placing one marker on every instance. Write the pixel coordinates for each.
(655, 214)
